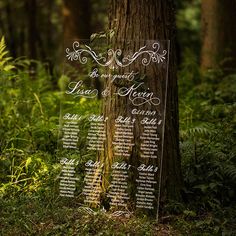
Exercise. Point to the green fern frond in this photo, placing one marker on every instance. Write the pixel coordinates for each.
(5, 64)
(2, 45)
(230, 172)
(199, 131)
(196, 131)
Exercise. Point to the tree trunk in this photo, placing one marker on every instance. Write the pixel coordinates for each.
(77, 19)
(134, 24)
(31, 7)
(218, 35)
(11, 29)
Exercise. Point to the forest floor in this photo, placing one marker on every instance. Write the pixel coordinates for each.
(33, 215)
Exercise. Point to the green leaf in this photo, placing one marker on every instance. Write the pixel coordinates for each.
(189, 213)
(2, 54)
(28, 161)
(8, 68)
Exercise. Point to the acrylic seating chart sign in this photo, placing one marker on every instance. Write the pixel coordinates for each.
(112, 124)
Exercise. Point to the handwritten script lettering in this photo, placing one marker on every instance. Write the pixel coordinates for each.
(76, 90)
(128, 75)
(138, 98)
(149, 168)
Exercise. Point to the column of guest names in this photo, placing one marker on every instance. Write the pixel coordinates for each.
(123, 137)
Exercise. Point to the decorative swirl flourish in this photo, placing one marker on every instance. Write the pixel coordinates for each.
(79, 54)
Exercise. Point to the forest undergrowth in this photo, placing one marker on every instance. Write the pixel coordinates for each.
(29, 203)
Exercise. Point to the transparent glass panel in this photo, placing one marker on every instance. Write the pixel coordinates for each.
(112, 124)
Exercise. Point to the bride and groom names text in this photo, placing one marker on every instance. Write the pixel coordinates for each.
(137, 98)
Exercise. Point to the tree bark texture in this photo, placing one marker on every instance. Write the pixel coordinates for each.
(218, 35)
(135, 23)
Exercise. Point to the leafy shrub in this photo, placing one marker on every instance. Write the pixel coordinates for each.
(207, 139)
(29, 116)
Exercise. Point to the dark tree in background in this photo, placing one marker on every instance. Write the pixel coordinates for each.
(33, 36)
(149, 20)
(36, 29)
(32, 28)
(77, 19)
(82, 18)
(218, 34)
